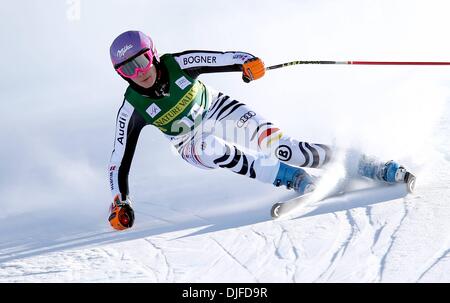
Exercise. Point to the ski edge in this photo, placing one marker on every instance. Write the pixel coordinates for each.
(281, 209)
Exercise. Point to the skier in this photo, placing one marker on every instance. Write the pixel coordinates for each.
(165, 92)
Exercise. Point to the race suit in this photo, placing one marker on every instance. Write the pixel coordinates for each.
(208, 128)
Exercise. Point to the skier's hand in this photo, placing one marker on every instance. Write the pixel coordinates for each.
(253, 69)
(121, 214)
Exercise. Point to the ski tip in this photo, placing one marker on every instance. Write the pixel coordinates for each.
(410, 180)
(275, 211)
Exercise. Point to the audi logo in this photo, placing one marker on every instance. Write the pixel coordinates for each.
(245, 118)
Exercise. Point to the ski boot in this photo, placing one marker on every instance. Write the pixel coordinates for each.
(390, 172)
(294, 178)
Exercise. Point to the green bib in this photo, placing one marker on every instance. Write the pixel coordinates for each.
(179, 112)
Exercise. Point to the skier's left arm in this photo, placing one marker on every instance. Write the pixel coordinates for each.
(197, 62)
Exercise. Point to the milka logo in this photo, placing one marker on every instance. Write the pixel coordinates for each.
(121, 52)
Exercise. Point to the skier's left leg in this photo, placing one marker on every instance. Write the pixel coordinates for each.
(249, 129)
(236, 122)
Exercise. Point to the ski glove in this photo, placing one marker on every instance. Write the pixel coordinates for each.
(121, 214)
(253, 69)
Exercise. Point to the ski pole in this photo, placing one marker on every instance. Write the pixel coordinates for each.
(356, 63)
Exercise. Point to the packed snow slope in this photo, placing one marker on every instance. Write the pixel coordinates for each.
(59, 108)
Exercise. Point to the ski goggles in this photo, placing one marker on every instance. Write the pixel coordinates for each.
(141, 63)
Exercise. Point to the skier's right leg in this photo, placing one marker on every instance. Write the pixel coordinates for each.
(390, 171)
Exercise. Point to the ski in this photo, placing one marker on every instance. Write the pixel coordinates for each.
(281, 209)
(410, 181)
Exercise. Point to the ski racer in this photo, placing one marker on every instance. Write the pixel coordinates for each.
(164, 91)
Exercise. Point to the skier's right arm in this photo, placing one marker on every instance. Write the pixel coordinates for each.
(129, 124)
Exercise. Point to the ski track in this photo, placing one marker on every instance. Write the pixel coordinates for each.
(234, 259)
(267, 243)
(438, 259)
(369, 215)
(156, 272)
(37, 273)
(340, 251)
(354, 230)
(391, 242)
(166, 262)
(376, 237)
(277, 241)
(260, 234)
(336, 217)
(285, 235)
(213, 265)
(294, 251)
(276, 244)
(376, 233)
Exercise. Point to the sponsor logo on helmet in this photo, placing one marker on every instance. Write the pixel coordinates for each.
(121, 52)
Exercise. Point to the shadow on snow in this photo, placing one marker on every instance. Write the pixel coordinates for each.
(39, 233)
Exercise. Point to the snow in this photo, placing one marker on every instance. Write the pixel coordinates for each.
(214, 226)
